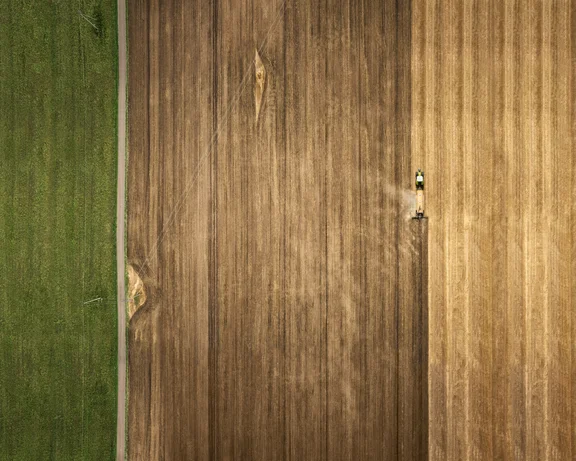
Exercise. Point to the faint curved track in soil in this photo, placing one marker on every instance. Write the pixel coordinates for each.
(269, 332)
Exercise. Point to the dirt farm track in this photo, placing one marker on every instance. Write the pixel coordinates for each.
(292, 310)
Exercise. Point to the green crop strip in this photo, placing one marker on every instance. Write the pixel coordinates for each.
(58, 79)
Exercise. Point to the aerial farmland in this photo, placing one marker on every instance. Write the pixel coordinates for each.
(57, 227)
(273, 149)
(273, 230)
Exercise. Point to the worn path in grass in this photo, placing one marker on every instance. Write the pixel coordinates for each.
(120, 234)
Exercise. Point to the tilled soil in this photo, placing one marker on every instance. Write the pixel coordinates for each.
(267, 221)
(266, 213)
(493, 127)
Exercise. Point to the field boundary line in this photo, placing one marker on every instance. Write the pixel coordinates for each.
(120, 234)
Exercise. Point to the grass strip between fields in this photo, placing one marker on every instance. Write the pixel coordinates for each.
(57, 222)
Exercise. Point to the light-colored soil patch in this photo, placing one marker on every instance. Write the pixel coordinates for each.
(136, 292)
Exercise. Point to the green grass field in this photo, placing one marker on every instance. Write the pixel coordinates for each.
(57, 230)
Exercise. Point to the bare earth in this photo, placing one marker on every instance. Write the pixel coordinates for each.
(271, 257)
(493, 127)
(267, 222)
(136, 292)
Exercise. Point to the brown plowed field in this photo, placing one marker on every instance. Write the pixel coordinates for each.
(286, 300)
(269, 244)
(493, 127)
